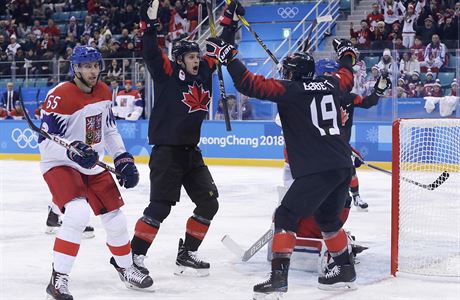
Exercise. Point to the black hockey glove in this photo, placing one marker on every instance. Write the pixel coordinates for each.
(89, 158)
(344, 48)
(149, 14)
(231, 13)
(357, 161)
(124, 164)
(218, 49)
(382, 84)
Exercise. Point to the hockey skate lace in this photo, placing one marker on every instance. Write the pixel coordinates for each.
(134, 275)
(139, 260)
(62, 283)
(194, 257)
(333, 272)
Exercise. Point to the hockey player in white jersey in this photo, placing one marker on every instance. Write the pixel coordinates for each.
(79, 112)
(128, 103)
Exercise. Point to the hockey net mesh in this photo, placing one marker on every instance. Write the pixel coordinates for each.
(429, 221)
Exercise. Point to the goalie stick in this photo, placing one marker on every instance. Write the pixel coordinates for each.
(213, 30)
(60, 141)
(245, 255)
(440, 180)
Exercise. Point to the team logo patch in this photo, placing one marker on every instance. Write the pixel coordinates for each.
(182, 75)
(196, 98)
(93, 129)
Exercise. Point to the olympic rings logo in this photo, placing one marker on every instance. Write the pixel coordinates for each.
(24, 139)
(288, 12)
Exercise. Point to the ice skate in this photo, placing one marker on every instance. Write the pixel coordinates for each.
(58, 288)
(273, 288)
(187, 263)
(138, 261)
(133, 278)
(53, 223)
(359, 203)
(338, 277)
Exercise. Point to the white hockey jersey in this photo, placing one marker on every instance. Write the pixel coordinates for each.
(74, 115)
(128, 105)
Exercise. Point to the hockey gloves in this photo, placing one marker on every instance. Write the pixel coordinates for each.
(149, 14)
(345, 49)
(382, 84)
(231, 13)
(89, 157)
(357, 161)
(218, 49)
(124, 164)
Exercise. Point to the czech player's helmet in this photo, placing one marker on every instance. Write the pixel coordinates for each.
(325, 66)
(300, 64)
(85, 54)
(182, 47)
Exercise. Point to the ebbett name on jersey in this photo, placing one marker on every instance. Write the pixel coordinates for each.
(88, 120)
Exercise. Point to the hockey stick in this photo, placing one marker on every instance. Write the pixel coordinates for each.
(440, 180)
(256, 36)
(316, 21)
(212, 27)
(245, 255)
(62, 142)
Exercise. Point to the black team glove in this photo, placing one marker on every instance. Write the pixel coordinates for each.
(124, 164)
(149, 14)
(89, 158)
(218, 49)
(382, 84)
(345, 51)
(231, 13)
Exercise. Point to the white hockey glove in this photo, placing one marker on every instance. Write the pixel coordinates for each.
(149, 14)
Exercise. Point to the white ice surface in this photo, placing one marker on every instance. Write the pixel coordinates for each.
(247, 199)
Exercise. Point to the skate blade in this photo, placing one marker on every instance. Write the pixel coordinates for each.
(51, 230)
(186, 271)
(88, 235)
(149, 289)
(339, 286)
(270, 296)
(361, 209)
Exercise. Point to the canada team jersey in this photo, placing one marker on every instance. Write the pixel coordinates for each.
(127, 103)
(76, 116)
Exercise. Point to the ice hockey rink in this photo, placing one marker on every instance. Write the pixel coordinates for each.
(248, 197)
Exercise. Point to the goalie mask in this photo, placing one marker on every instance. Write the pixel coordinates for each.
(299, 66)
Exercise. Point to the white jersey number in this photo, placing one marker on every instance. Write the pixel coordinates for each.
(328, 113)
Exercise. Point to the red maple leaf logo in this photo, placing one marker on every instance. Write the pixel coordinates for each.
(196, 98)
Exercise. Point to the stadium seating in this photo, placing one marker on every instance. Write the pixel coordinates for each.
(446, 78)
(371, 61)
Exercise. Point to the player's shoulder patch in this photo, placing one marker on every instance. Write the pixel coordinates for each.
(59, 98)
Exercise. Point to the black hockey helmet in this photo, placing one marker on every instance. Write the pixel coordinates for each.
(300, 64)
(181, 47)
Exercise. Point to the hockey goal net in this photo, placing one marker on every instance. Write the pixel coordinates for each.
(426, 197)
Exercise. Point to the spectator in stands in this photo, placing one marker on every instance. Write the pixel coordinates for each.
(387, 64)
(371, 80)
(411, 90)
(73, 28)
(401, 92)
(449, 30)
(31, 43)
(374, 17)
(409, 64)
(419, 90)
(391, 13)
(38, 111)
(429, 77)
(453, 88)
(5, 64)
(114, 50)
(9, 98)
(125, 39)
(84, 39)
(395, 30)
(379, 38)
(37, 29)
(418, 49)
(363, 36)
(137, 41)
(114, 87)
(141, 89)
(46, 46)
(20, 62)
(70, 41)
(3, 43)
(22, 31)
(17, 113)
(246, 108)
(164, 16)
(219, 111)
(88, 26)
(58, 46)
(437, 89)
(359, 74)
(427, 31)
(130, 17)
(409, 26)
(435, 54)
(114, 70)
(30, 64)
(13, 46)
(414, 77)
(51, 29)
(128, 103)
(192, 14)
(398, 47)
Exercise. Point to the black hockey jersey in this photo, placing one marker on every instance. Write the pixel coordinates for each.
(181, 101)
(310, 116)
